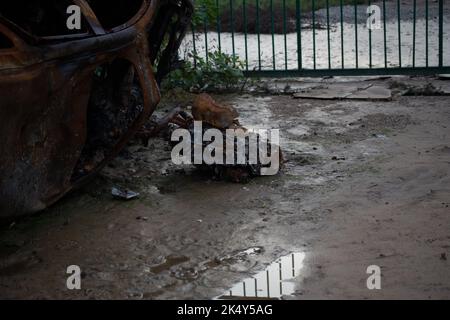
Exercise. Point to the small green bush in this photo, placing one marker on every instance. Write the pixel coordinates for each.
(220, 72)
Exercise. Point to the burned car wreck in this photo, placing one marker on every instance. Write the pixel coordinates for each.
(71, 99)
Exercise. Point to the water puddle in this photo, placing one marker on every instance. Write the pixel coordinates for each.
(272, 283)
(168, 263)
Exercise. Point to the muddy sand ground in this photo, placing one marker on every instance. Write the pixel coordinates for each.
(365, 183)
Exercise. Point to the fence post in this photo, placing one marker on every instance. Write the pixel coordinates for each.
(258, 26)
(194, 49)
(285, 36)
(272, 26)
(356, 34)
(385, 35)
(441, 33)
(328, 34)
(414, 33)
(426, 32)
(313, 11)
(370, 40)
(205, 31)
(232, 31)
(244, 8)
(342, 34)
(299, 34)
(218, 25)
(399, 34)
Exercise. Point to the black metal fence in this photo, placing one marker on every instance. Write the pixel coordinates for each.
(327, 37)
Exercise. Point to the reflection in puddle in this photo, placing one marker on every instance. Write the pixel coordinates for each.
(272, 283)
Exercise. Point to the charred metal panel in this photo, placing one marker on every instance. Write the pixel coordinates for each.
(70, 102)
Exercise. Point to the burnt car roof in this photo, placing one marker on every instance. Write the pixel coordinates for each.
(45, 20)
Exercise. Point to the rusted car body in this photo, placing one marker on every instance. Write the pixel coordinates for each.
(71, 99)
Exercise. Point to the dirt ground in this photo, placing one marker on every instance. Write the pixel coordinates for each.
(365, 183)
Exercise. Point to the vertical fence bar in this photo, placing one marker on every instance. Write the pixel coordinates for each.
(232, 29)
(218, 25)
(441, 33)
(281, 279)
(426, 32)
(399, 34)
(328, 34)
(205, 31)
(194, 49)
(370, 37)
(244, 7)
(285, 36)
(356, 33)
(342, 33)
(272, 26)
(299, 34)
(313, 9)
(258, 27)
(414, 33)
(385, 36)
(293, 266)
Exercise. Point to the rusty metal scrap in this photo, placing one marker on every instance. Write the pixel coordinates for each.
(71, 100)
(209, 111)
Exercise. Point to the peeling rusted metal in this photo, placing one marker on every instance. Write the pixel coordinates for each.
(50, 85)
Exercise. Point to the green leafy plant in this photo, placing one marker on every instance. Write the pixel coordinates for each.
(204, 10)
(220, 71)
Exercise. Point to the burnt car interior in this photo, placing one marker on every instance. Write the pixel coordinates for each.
(5, 42)
(122, 13)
